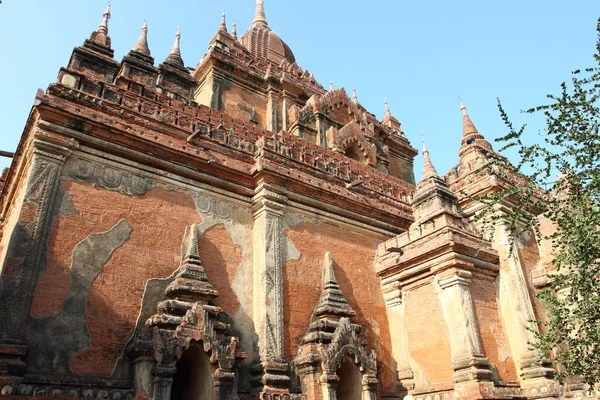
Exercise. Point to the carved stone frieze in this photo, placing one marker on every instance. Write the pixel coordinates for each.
(107, 176)
(221, 209)
(64, 391)
(115, 177)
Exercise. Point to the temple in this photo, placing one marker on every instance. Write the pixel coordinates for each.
(238, 231)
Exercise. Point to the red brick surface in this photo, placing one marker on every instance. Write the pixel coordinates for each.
(158, 220)
(353, 256)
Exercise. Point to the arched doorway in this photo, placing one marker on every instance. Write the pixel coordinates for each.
(350, 384)
(194, 378)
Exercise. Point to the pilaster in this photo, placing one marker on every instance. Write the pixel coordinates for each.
(514, 295)
(163, 381)
(394, 301)
(329, 384)
(268, 209)
(273, 124)
(468, 360)
(285, 104)
(23, 262)
(215, 94)
(320, 126)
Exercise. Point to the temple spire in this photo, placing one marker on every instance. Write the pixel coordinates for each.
(103, 28)
(387, 108)
(259, 14)
(174, 57)
(142, 43)
(470, 134)
(100, 36)
(354, 96)
(234, 31)
(428, 168)
(223, 26)
(468, 126)
(330, 85)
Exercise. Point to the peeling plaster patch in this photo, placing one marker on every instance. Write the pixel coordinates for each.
(55, 340)
(66, 206)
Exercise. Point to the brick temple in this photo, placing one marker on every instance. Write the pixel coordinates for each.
(238, 231)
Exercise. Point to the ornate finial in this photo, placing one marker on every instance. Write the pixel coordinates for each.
(223, 26)
(103, 28)
(174, 57)
(428, 168)
(330, 85)
(234, 31)
(354, 96)
(259, 14)
(332, 300)
(463, 109)
(191, 282)
(142, 43)
(387, 107)
(328, 273)
(176, 50)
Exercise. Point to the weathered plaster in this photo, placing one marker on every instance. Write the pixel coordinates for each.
(54, 340)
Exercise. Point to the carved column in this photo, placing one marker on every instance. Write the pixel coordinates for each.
(284, 110)
(26, 247)
(272, 116)
(320, 125)
(216, 91)
(369, 384)
(329, 384)
(468, 360)
(268, 210)
(224, 384)
(515, 300)
(394, 300)
(163, 381)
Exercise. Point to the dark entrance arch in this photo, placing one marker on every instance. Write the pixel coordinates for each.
(194, 378)
(350, 384)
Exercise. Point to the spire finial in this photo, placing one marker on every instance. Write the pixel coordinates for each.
(174, 57)
(428, 168)
(328, 273)
(234, 31)
(142, 43)
(354, 96)
(259, 14)
(330, 85)
(387, 107)
(463, 109)
(103, 28)
(176, 50)
(223, 26)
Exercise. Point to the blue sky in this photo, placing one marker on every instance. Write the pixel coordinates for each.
(421, 55)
